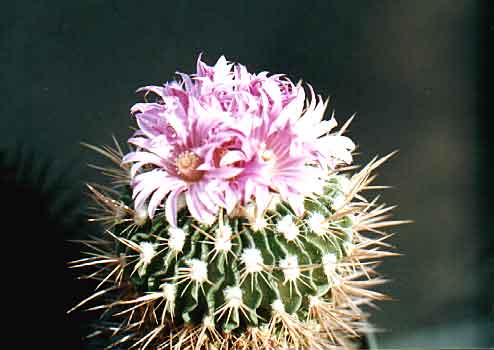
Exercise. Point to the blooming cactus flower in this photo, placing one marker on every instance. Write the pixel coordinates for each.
(176, 144)
(224, 137)
(266, 239)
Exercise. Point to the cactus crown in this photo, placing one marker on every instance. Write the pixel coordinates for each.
(252, 275)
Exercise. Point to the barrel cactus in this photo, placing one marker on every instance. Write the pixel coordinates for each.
(236, 220)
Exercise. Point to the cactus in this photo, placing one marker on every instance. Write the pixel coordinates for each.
(277, 267)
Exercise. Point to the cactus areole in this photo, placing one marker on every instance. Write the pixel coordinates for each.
(236, 221)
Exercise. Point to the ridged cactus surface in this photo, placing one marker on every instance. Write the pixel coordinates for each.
(236, 222)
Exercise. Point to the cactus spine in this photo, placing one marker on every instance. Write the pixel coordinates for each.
(282, 279)
(236, 222)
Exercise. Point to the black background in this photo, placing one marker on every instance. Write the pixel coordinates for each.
(417, 73)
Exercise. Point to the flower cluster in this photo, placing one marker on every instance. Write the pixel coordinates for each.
(225, 138)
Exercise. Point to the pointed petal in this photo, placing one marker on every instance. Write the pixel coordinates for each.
(231, 157)
(196, 208)
(171, 205)
(262, 199)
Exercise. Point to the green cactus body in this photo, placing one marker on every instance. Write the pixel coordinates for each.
(232, 272)
(290, 247)
(246, 281)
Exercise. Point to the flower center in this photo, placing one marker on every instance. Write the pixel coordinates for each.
(187, 163)
(266, 154)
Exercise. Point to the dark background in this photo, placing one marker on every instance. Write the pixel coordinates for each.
(415, 72)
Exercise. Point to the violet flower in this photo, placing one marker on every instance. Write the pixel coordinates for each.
(224, 138)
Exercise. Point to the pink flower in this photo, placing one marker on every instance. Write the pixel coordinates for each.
(177, 144)
(271, 165)
(313, 133)
(224, 137)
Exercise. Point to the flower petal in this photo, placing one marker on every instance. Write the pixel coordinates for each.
(171, 205)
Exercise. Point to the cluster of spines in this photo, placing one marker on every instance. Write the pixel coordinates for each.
(282, 280)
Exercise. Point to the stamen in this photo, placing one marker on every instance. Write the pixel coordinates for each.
(187, 163)
(266, 155)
